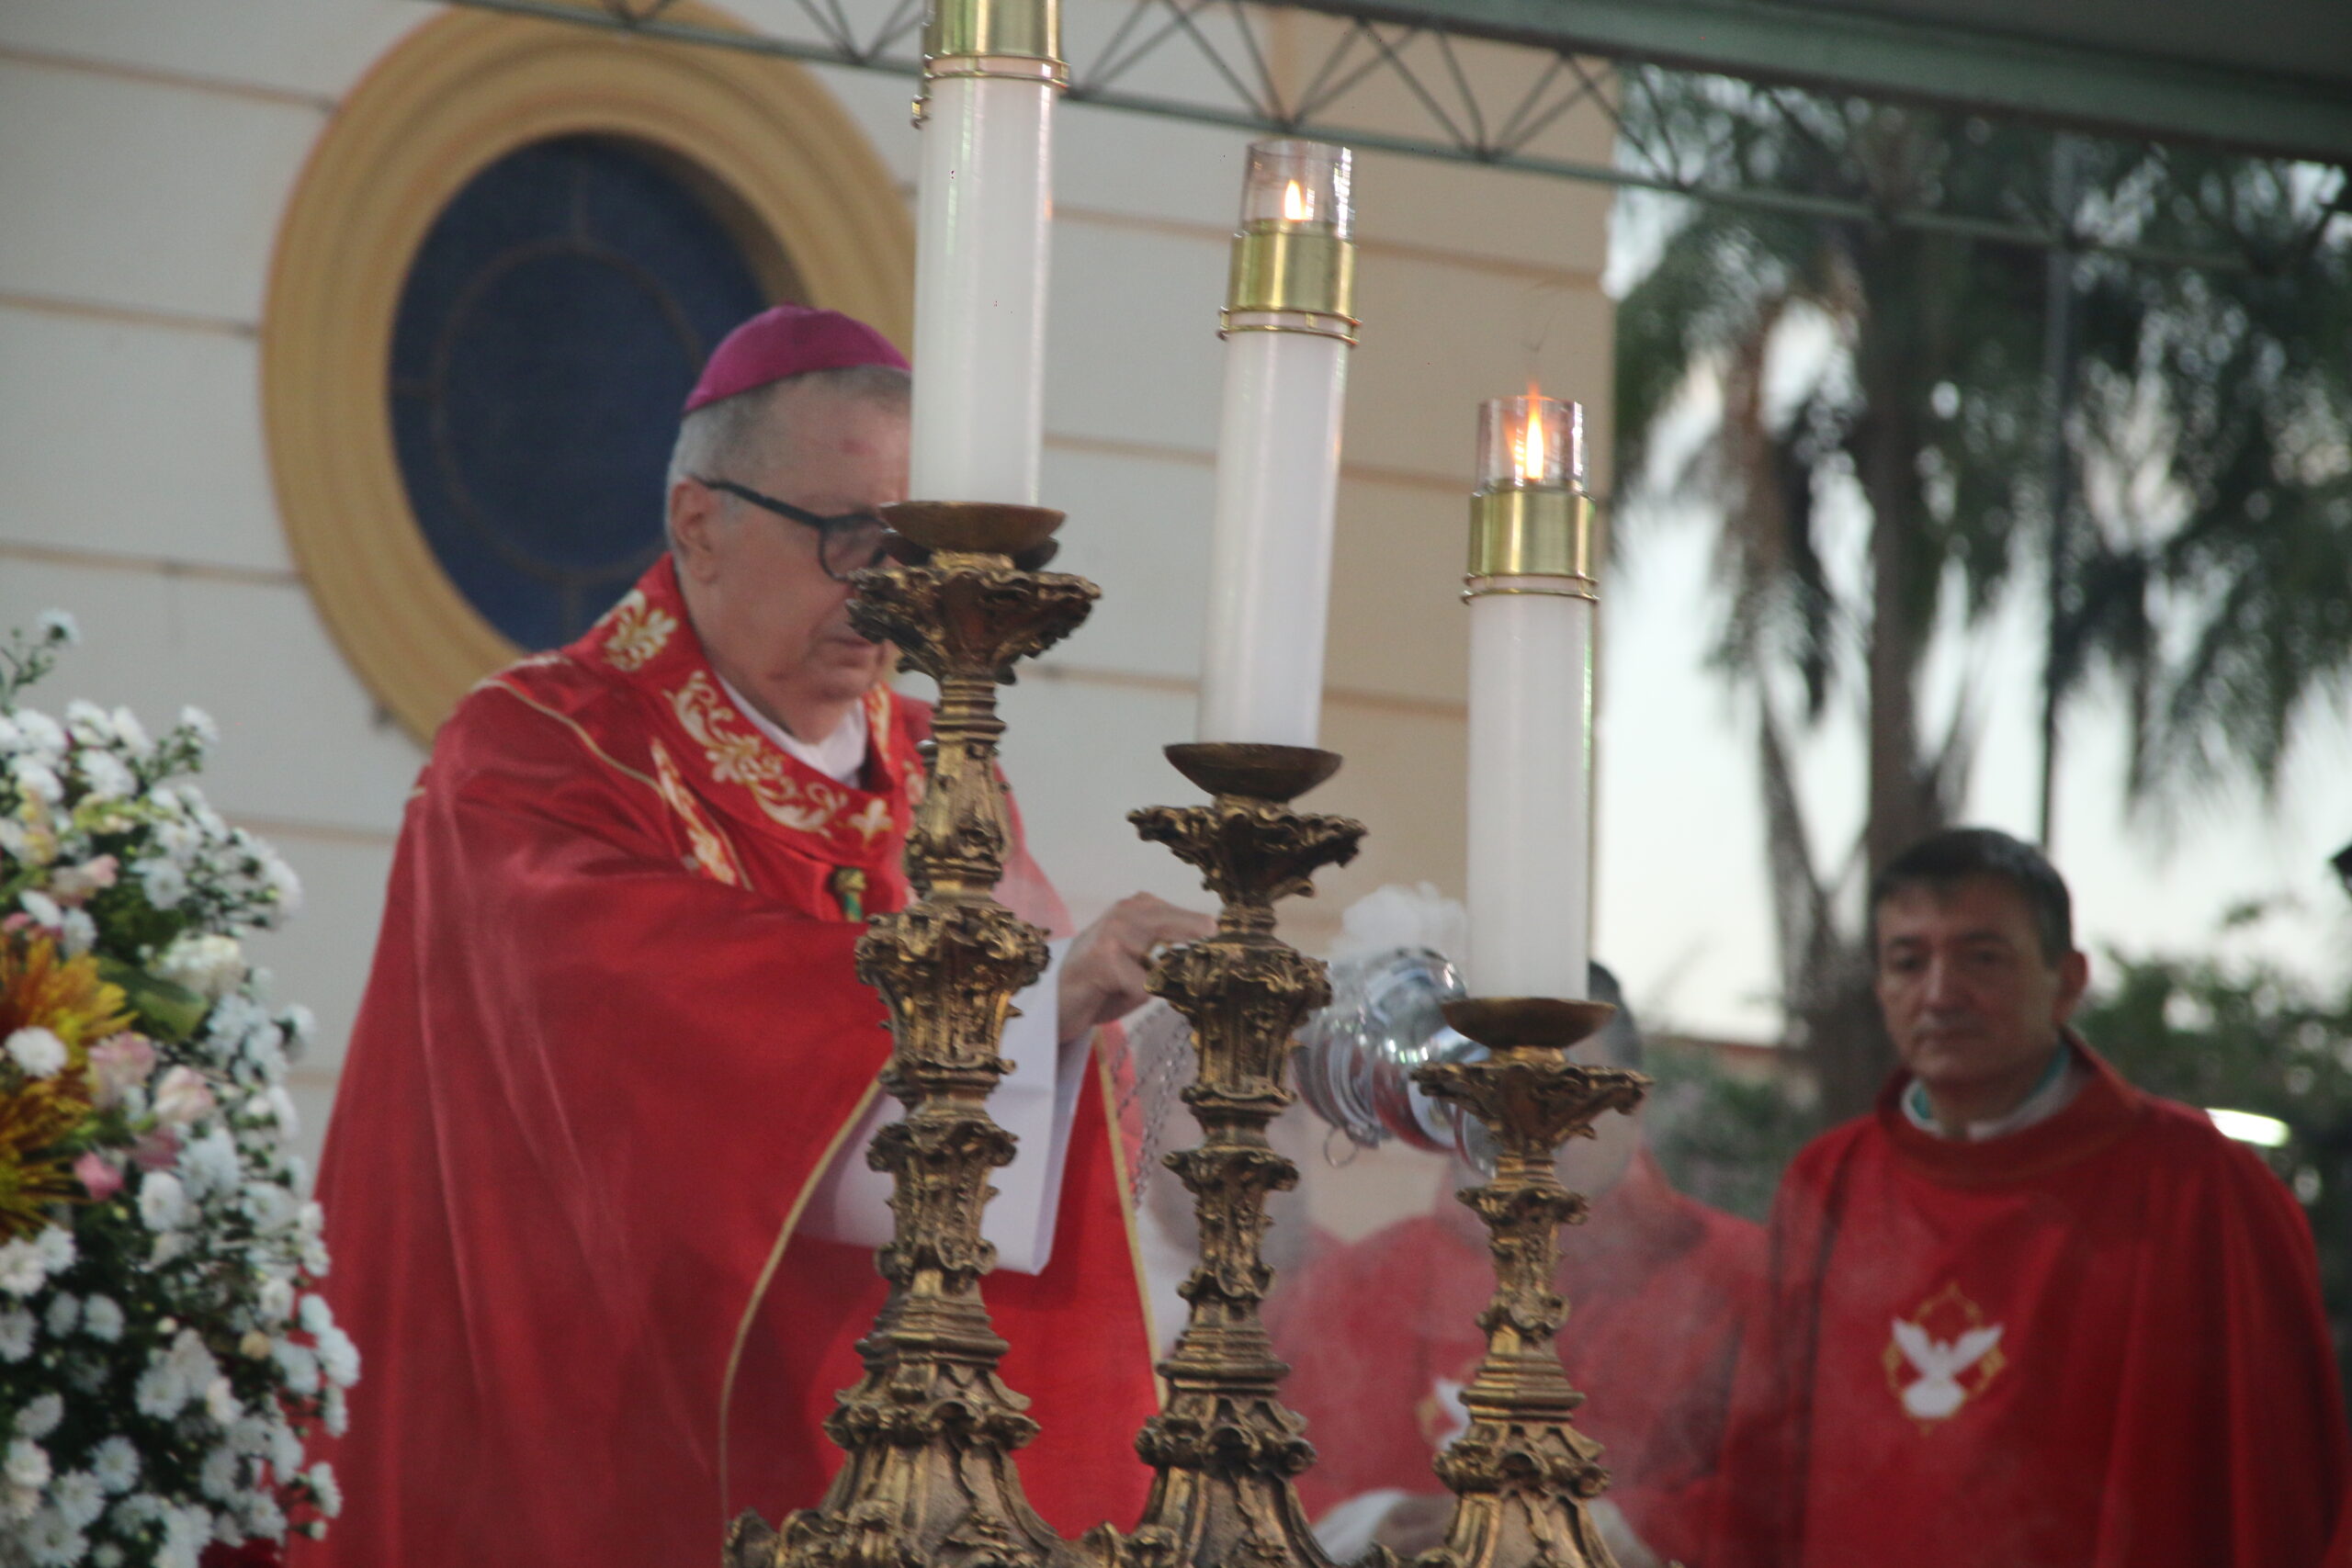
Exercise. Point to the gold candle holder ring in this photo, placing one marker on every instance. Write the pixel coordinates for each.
(1294, 261)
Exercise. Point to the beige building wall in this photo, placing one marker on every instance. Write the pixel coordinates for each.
(147, 150)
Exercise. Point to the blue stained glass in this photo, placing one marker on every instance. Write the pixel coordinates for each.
(550, 327)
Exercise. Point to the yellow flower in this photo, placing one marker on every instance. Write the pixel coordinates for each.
(39, 990)
(34, 1119)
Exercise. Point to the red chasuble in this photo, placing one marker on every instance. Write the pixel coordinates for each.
(611, 1040)
(1382, 1336)
(2095, 1343)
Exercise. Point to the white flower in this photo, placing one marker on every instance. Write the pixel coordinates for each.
(105, 1554)
(337, 1415)
(80, 932)
(37, 780)
(338, 1357)
(55, 1245)
(21, 1269)
(284, 1448)
(220, 1402)
(328, 1491)
(199, 721)
(63, 1313)
(186, 1531)
(282, 882)
(175, 1376)
(115, 1462)
(213, 965)
(87, 722)
(26, 1463)
(101, 1319)
(208, 1165)
(218, 1479)
(39, 1052)
(163, 1202)
(79, 1498)
(133, 734)
(317, 1316)
(278, 1106)
(39, 1418)
(45, 910)
(51, 1541)
(301, 1364)
(168, 1247)
(180, 841)
(16, 1330)
(157, 1392)
(276, 1301)
(105, 774)
(41, 731)
(163, 881)
(58, 627)
(265, 1518)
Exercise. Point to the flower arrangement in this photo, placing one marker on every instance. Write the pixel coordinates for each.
(163, 1355)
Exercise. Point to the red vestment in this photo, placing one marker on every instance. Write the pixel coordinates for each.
(1381, 1334)
(611, 1040)
(2093, 1343)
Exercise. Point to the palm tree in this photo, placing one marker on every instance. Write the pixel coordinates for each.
(1886, 371)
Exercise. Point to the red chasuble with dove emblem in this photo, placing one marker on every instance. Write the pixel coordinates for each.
(2093, 1343)
(611, 1041)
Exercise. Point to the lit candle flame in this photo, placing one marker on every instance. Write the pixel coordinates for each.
(1527, 451)
(1297, 206)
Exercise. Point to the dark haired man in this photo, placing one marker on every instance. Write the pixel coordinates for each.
(2025, 1316)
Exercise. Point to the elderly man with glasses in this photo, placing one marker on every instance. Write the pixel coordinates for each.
(602, 1222)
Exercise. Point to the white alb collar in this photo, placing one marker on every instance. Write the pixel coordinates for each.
(840, 756)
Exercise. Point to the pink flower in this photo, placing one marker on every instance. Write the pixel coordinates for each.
(74, 885)
(182, 1098)
(99, 1175)
(120, 1062)
(159, 1150)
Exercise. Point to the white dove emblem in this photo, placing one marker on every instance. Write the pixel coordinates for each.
(1939, 1363)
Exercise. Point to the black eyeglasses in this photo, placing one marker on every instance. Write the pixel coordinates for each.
(846, 545)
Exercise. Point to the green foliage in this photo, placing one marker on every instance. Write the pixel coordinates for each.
(2250, 1038)
(1723, 1139)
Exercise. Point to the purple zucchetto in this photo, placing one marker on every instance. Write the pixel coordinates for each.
(789, 340)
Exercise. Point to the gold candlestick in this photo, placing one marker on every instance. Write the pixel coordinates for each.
(930, 1431)
(1224, 1444)
(1522, 1474)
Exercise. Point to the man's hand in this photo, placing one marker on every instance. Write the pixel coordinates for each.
(1103, 974)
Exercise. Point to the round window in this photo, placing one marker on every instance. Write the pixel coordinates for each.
(549, 330)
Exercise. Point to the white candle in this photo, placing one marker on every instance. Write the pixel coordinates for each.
(1531, 704)
(1287, 332)
(983, 222)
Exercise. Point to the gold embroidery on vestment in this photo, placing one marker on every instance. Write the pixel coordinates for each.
(740, 756)
(711, 854)
(638, 632)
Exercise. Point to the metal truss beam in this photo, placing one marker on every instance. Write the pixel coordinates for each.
(1412, 47)
(2101, 90)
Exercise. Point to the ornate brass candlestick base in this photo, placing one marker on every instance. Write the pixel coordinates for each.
(1522, 1474)
(930, 1431)
(1224, 1444)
